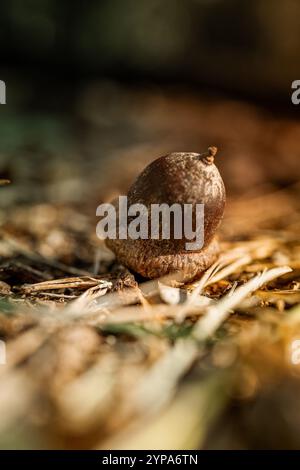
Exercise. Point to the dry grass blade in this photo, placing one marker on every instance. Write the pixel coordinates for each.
(13, 406)
(22, 347)
(84, 282)
(218, 271)
(227, 270)
(86, 401)
(158, 385)
(217, 313)
(86, 301)
(195, 407)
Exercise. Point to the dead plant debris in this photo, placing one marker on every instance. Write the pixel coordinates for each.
(98, 357)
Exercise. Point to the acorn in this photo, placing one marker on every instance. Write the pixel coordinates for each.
(182, 178)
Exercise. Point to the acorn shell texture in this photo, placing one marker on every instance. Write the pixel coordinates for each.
(183, 178)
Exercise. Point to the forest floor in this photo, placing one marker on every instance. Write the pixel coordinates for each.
(97, 357)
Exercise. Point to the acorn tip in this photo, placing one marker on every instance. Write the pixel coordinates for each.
(212, 150)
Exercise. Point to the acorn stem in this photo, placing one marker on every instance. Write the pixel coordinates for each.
(209, 156)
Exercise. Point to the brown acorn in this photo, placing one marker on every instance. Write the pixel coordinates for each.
(183, 178)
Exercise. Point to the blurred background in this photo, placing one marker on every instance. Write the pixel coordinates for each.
(96, 90)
